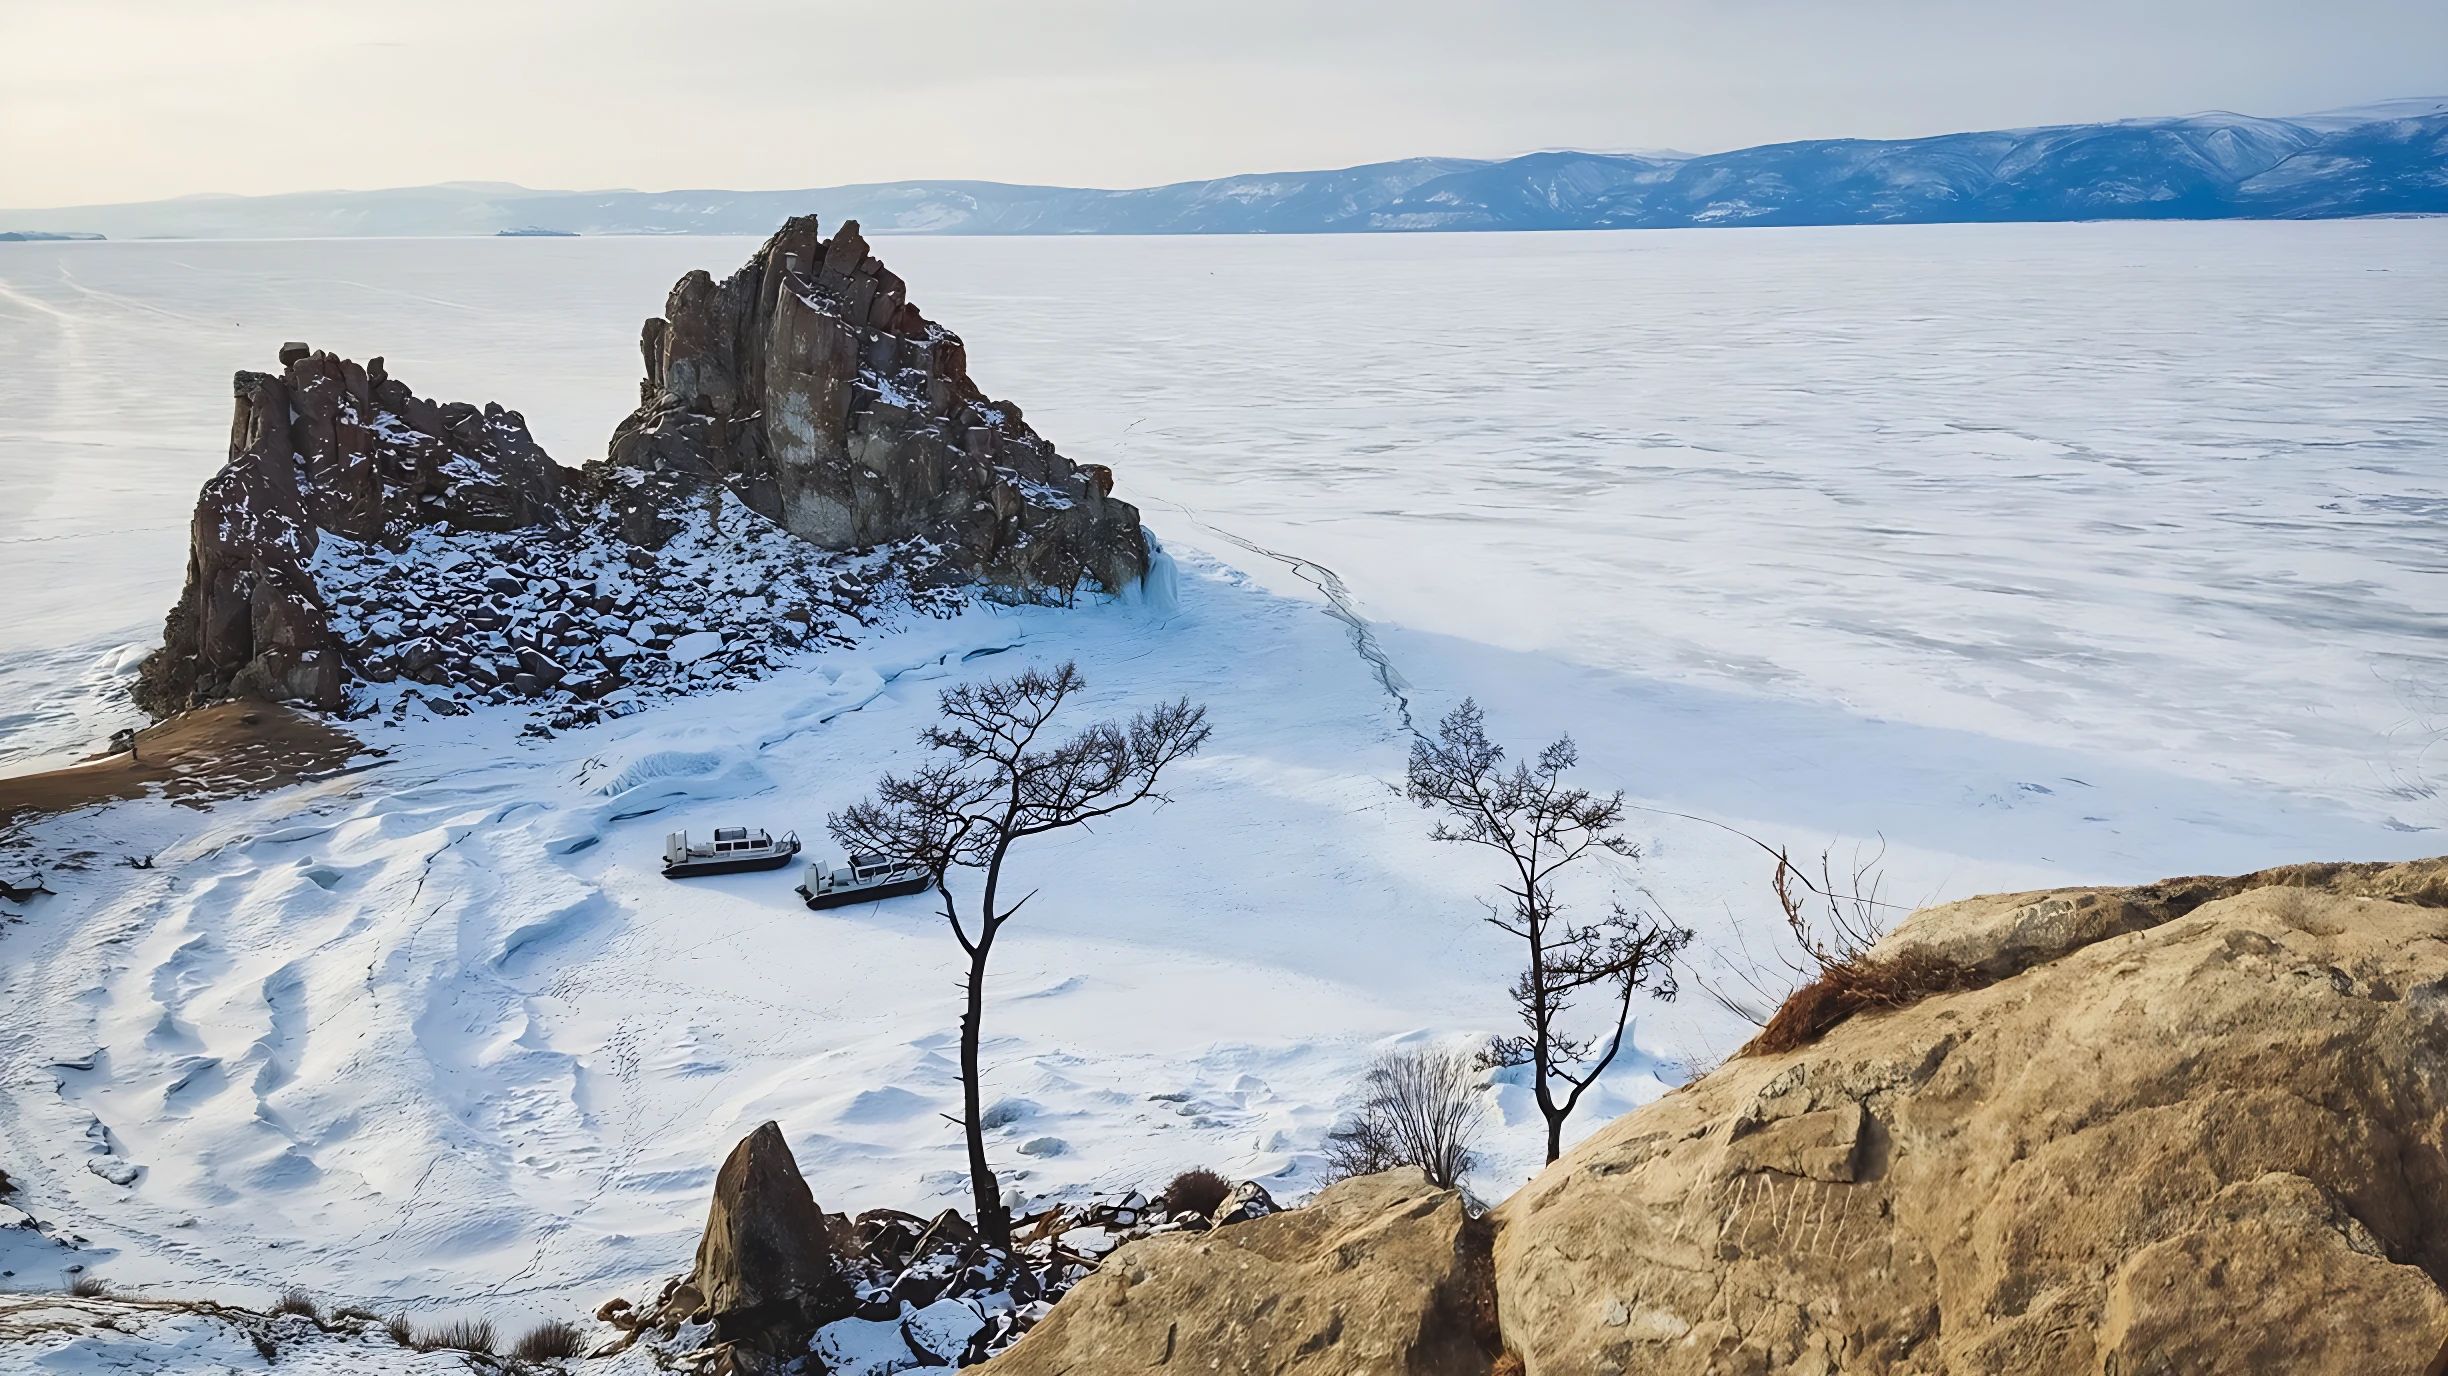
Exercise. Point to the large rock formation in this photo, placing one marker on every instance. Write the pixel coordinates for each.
(326, 448)
(360, 533)
(809, 384)
(2200, 1126)
(1385, 1275)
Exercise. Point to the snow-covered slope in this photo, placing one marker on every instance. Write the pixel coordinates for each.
(2388, 158)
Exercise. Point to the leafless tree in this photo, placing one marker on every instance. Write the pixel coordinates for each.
(1419, 1107)
(997, 777)
(1540, 824)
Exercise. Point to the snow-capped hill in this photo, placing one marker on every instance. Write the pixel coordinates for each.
(2384, 158)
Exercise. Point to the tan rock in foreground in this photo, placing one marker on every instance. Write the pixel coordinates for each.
(2171, 1139)
(1384, 1275)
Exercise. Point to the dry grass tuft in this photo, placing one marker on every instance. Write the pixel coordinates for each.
(89, 1287)
(459, 1335)
(550, 1341)
(295, 1300)
(401, 1331)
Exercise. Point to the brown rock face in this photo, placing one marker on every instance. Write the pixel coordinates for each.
(808, 383)
(1384, 1274)
(325, 447)
(2196, 1127)
(764, 1265)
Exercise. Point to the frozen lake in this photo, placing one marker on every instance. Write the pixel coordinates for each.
(2175, 491)
(2011, 556)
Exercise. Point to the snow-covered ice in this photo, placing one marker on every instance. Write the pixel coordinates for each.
(2029, 554)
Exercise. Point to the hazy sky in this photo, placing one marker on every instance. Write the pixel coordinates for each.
(109, 100)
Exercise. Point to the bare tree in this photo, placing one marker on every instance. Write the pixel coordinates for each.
(1540, 824)
(995, 779)
(1418, 1107)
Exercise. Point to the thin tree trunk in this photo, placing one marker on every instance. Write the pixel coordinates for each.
(986, 1195)
(1555, 1135)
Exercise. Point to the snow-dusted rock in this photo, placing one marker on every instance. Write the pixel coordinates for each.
(118, 1170)
(942, 1330)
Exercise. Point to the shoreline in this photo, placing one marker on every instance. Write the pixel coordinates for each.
(208, 753)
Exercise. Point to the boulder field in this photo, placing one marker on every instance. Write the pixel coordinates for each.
(2196, 1126)
(807, 446)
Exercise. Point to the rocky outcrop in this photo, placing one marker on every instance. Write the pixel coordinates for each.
(764, 1264)
(808, 383)
(323, 449)
(2003, 934)
(798, 415)
(2200, 1126)
(1385, 1274)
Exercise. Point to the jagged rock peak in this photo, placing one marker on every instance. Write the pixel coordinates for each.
(808, 384)
(327, 448)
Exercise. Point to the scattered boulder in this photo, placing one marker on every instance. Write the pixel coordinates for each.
(1384, 1274)
(2200, 1126)
(765, 1267)
(1248, 1200)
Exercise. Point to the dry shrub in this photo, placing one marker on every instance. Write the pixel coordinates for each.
(1836, 974)
(550, 1341)
(459, 1335)
(1851, 985)
(1198, 1191)
(89, 1287)
(401, 1331)
(1419, 1106)
(296, 1301)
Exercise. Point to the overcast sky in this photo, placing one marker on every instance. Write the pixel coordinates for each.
(113, 100)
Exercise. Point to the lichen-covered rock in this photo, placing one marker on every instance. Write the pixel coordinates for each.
(1385, 1275)
(2201, 1127)
(809, 385)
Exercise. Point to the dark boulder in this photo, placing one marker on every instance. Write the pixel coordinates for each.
(765, 1265)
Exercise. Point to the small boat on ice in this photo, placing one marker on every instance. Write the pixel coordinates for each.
(732, 851)
(865, 879)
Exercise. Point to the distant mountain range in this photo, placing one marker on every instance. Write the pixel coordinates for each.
(2386, 159)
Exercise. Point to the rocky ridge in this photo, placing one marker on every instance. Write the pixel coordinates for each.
(810, 455)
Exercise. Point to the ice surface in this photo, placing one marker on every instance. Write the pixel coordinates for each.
(2042, 553)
